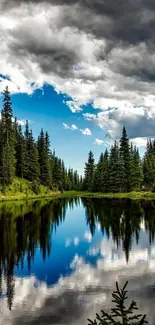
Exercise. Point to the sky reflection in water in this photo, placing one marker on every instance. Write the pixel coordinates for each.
(60, 259)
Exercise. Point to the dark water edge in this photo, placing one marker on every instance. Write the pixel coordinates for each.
(59, 260)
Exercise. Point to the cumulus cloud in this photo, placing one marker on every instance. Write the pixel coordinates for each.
(98, 52)
(112, 121)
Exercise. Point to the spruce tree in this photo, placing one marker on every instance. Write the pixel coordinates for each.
(149, 166)
(43, 150)
(125, 161)
(114, 170)
(34, 170)
(105, 186)
(57, 176)
(31, 170)
(19, 150)
(89, 173)
(8, 161)
(136, 172)
(98, 185)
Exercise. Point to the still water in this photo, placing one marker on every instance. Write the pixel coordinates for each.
(60, 259)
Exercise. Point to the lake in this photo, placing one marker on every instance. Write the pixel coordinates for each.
(60, 259)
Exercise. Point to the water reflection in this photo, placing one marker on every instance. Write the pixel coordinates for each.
(83, 247)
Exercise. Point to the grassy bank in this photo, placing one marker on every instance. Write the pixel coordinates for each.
(22, 189)
(130, 195)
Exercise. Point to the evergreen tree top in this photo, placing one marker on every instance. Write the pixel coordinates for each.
(7, 109)
(124, 134)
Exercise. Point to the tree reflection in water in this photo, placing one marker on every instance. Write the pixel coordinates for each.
(26, 226)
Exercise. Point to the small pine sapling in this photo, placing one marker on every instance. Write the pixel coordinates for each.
(120, 314)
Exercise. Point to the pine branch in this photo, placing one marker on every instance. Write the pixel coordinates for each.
(120, 315)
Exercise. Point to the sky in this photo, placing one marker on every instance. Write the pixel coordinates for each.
(81, 69)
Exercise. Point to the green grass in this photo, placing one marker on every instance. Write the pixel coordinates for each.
(21, 189)
(131, 195)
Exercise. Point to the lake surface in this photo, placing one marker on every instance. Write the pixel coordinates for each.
(60, 259)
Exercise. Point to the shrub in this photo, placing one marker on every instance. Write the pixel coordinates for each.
(35, 187)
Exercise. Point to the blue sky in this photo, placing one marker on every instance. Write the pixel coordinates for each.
(89, 67)
(45, 109)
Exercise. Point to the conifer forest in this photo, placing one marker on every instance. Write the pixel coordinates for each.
(120, 169)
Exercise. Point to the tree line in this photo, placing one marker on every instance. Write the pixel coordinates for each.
(121, 169)
(23, 156)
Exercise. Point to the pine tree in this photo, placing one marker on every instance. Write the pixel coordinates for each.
(136, 172)
(120, 314)
(89, 173)
(26, 155)
(114, 170)
(57, 176)
(125, 161)
(19, 150)
(8, 161)
(149, 166)
(43, 150)
(31, 170)
(98, 184)
(34, 170)
(105, 186)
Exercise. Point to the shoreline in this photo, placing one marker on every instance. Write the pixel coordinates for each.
(57, 195)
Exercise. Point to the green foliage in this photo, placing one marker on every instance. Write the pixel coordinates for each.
(120, 314)
(89, 173)
(22, 156)
(118, 171)
(43, 150)
(7, 141)
(35, 187)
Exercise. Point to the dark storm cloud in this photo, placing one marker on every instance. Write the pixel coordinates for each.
(51, 54)
(120, 22)
(129, 21)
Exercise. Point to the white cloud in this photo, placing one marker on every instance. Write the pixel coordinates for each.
(86, 131)
(88, 236)
(73, 127)
(76, 241)
(88, 287)
(99, 142)
(80, 58)
(68, 242)
(66, 126)
(139, 142)
(21, 122)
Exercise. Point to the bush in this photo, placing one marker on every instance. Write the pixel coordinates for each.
(35, 187)
(120, 315)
